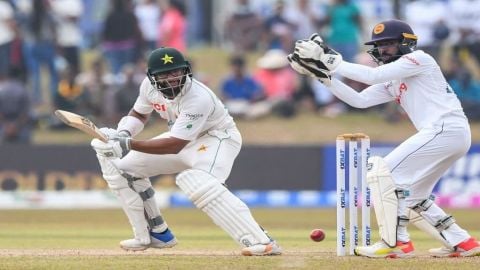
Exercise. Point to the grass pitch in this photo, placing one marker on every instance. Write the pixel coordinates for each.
(88, 239)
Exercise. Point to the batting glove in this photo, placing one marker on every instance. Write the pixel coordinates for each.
(109, 132)
(113, 133)
(117, 146)
(120, 145)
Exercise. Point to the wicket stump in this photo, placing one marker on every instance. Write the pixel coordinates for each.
(357, 169)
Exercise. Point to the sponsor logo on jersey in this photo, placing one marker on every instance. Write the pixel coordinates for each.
(193, 116)
(413, 60)
(159, 107)
(403, 87)
(202, 148)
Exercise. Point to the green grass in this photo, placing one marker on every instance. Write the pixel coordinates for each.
(88, 239)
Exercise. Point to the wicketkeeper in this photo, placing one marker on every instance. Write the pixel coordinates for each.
(401, 182)
(201, 145)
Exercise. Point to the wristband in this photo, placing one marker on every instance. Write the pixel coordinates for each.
(130, 124)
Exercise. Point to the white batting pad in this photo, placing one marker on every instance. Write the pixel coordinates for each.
(385, 202)
(423, 225)
(150, 205)
(224, 208)
(131, 202)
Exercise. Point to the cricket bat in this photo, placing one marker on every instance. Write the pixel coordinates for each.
(82, 123)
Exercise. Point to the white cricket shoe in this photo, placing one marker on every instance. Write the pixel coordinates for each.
(157, 240)
(262, 250)
(162, 240)
(381, 250)
(467, 248)
(134, 245)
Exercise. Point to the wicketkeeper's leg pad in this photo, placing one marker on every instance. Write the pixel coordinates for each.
(384, 197)
(423, 225)
(224, 208)
(428, 217)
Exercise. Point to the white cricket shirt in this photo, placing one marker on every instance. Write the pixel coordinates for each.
(189, 115)
(414, 81)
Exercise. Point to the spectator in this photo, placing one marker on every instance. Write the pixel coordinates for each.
(148, 16)
(16, 59)
(7, 35)
(241, 93)
(313, 95)
(91, 22)
(279, 31)
(121, 35)
(172, 28)
(71, 96)
(306, 16)
(126, 93)
(278, 81)
(69, 36)
(243, 28)
(467, 89)
(16, 118)
(96, 82)
(463, 20)
(40, 43)
(344, 21)
(431, 28)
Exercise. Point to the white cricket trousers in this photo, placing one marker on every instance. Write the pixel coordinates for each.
(213, 152)
(418, 163)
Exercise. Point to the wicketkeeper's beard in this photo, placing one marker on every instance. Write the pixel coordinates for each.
(383, 58)
(388, 58)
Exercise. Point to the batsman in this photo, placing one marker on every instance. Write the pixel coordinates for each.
(200, 147)
(402, 181)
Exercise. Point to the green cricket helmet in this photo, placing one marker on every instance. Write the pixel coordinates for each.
(168, 71)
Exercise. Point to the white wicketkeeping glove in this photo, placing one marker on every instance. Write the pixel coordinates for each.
(315, 51)
(309, 69)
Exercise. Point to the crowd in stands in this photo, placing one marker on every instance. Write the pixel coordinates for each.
(44, 43)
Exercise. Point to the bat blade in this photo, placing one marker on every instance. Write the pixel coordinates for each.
(82, 123)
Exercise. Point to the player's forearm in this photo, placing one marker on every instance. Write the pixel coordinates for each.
(161, 146)
(348, 94)
(133, 123)
(366, 74)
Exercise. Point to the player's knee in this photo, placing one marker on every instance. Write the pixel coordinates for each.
(419, 205)
(377, 168)
(142, 184)
(116, 182)
(200, 186)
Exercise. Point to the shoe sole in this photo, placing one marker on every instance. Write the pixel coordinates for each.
(166, 245)
(141, 248)
(471, 253)
(388, 256)
(249, 253)
(268, 252)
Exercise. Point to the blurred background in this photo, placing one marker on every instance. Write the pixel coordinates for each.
(89, 57)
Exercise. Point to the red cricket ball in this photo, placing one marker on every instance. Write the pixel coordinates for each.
(317, 235)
